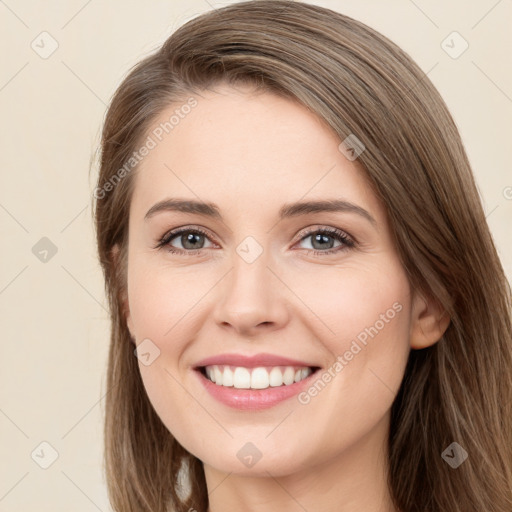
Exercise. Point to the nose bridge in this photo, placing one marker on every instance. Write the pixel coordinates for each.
(250, 296)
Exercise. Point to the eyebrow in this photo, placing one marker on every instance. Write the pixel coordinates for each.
(286, 211)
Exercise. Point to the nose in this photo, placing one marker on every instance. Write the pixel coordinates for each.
(251, 299)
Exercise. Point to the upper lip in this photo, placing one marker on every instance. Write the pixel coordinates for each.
(252, 361)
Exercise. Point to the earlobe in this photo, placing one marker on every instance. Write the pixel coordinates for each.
(429, 321)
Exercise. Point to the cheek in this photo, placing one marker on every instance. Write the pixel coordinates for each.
(373, 339)
(159, 300)
(362, 316)
(368, 310)
(354, 301)
(161, 308)
(372, 304)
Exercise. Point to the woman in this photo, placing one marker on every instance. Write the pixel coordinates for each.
(366, 370)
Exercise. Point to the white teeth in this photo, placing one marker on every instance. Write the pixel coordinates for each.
(241, 378)
(218, 375)
(259, 378)
(276, 377)
(289, 375)
(227, 377)
(255, 378)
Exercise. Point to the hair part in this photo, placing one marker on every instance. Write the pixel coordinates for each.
(358, 82)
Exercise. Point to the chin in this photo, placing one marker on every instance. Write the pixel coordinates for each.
(258, 459)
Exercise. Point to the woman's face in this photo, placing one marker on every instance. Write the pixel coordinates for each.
(303, 312)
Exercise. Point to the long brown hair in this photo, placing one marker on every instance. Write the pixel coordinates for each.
(358, 82)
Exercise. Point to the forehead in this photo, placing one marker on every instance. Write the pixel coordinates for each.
(248, 151)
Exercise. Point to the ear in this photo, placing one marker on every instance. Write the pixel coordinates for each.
(124, 299)
(429, 321)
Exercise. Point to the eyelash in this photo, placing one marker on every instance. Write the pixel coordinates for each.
(339, 235)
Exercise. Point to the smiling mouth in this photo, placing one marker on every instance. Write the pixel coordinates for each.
(263, 377)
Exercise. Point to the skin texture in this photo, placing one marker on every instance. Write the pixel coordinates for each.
(250, 153)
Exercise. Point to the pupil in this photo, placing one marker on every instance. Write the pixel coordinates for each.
(190, 239)
(324, 239)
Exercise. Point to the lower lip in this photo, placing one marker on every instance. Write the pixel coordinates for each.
(253, 399)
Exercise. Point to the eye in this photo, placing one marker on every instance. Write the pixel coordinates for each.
(325, 238)
(190, 240)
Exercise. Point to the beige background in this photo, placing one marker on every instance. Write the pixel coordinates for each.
(54, 322)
